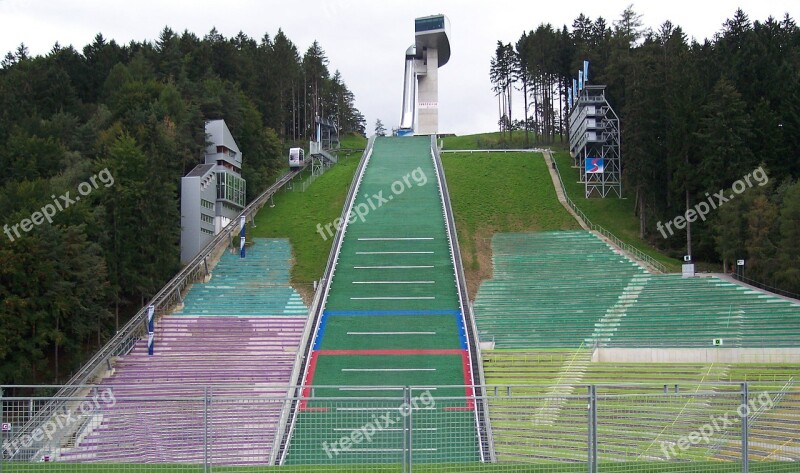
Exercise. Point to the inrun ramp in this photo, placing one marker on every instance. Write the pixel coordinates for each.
(391, 317)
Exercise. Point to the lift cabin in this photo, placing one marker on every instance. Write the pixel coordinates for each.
(297, 158)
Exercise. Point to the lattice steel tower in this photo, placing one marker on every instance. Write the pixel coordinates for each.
(594, 142)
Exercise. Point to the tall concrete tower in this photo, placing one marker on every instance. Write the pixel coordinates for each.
(430, 51)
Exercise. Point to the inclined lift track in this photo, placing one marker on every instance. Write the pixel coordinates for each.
(289, 418)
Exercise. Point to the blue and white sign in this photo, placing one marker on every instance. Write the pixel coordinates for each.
(594, 165)
(580, 80)
(151, 319)
(151, 328)
(575, 89)
(585, 71)
(242, 224)
(6, 427)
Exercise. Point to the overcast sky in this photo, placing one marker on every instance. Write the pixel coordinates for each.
(365, 40)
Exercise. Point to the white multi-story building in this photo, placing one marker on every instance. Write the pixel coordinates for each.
(213, 193)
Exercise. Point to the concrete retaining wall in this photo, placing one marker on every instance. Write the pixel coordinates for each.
(697, 355)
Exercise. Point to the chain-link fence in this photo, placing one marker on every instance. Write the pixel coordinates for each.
(604, 428)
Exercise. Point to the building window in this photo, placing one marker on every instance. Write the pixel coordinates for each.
(207, 204)
(207, 218)
(231, 188)
(206, 231)
(226, 151)
(428, 24)
(220, 185)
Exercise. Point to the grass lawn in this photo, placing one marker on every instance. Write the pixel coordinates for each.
(495, 193)
(296, 215)
(494, 140)
(352, 142)
(615, 215)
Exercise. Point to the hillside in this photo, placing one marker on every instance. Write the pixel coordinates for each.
(296, 214)
(120, 124)
(499, 192)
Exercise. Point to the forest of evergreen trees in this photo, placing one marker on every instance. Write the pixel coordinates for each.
(695, 116)
(137, 110)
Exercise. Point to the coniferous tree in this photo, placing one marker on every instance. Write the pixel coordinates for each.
(138, 110)
(696, 116)
(380, 130)
(789, 251)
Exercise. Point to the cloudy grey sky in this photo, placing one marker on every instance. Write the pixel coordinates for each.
(365, 40)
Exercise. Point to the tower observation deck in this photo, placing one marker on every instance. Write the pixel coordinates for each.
(430, 51)
(594, 138)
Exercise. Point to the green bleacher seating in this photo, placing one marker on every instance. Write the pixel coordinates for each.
(569, 289)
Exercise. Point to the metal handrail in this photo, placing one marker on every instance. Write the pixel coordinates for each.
(124, 340)
(471, 151)
(781, 387)
(626, 247)
(640, 392)
(765, 287)
(726, 436)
